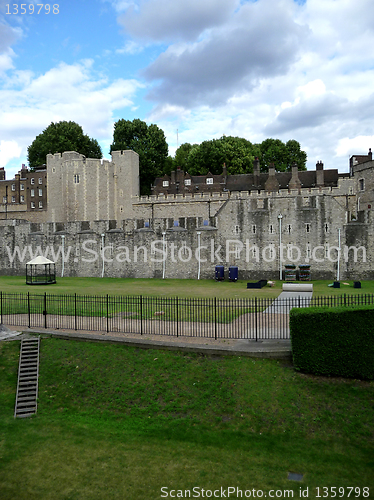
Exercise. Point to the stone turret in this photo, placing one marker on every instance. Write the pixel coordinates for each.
(295, 181)
(271, 183)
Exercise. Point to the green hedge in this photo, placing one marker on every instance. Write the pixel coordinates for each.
(336, 341)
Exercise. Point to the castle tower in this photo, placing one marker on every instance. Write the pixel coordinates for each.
(88, 189)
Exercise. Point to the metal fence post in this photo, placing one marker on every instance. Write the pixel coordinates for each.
(256, 317)
(75, 311)
(177, 315)
(107, 313)
(215, 318)
(141, 315)
(1, 306)
(45, 310)
(28, 306)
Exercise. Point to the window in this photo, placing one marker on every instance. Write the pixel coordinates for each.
(76, 178)
(32, 204)
(209, 180)
(13, 199)
(362, 184)
(165, 184)
(40, 192)
(289, 229)
(22, 199)
(254, 229)
(307, 228)
(13, 187)
(40, 204)
(32, 180)
(4, 199)
(308, 250)
(237, 230)
(326, 228)
(40, 180)
(22, 187)
(350, 190)
(187, 182)
(271, 229)
(32, 192)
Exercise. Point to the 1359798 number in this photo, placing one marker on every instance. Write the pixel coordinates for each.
(39, 8)
(342, 492)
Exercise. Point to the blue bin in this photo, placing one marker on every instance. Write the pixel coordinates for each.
(233, 273)
(220, 273)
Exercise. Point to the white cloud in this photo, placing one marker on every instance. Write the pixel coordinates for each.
(162, 20)
(8, 151)
(66, 92)
(356, 145)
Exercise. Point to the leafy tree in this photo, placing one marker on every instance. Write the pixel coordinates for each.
(181, 155)
(237, 153)
(282, 155)
(60, 137)
(150, 144)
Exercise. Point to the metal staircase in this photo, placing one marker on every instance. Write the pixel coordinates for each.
(28, 374)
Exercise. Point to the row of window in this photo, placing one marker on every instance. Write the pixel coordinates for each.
(22, 186)
(22, 197)
(288, 228)
(237, 250)
(22, 200)
(187, 182)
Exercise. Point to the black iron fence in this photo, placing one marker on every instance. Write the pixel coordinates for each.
(250, 318)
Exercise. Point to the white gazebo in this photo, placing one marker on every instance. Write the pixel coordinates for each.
(40, 271)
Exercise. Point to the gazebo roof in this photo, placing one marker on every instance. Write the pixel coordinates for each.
(40, 260)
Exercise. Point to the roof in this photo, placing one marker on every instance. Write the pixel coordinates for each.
(40, 260)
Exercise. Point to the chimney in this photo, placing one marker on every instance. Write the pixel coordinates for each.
(256, 172)
(172, 175)
(320, 175)
(271, 183)
(224, 170)
(370, 155)
(2, 174)
(295, 181)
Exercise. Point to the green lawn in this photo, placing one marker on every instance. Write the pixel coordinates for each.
(121, 423)
(168, 287)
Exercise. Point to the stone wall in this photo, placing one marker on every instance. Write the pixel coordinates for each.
(242, 230)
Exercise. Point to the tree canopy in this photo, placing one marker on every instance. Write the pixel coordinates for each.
(238, 155)
(59, 137)
(149, 142)
(283, 155)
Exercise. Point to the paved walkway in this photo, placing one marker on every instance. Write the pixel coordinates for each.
(287, 300)
(242, 347)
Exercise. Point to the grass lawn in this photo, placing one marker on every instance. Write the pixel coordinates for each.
(118, 422)
(168, 287)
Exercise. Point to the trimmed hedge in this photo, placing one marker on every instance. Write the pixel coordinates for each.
(337, 341)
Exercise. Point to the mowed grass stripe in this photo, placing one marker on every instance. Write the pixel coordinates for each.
(118, 422)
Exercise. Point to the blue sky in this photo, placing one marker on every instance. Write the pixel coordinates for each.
(272, 68)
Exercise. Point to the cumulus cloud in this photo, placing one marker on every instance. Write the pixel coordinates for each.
(162, 20)
(8, 151)
(65, 92)
(257, 43)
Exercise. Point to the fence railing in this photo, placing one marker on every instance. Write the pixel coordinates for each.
(250, 318)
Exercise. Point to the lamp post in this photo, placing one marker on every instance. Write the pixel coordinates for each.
(280, 217)
(163, 256)
(198, 246)
(338, 270)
